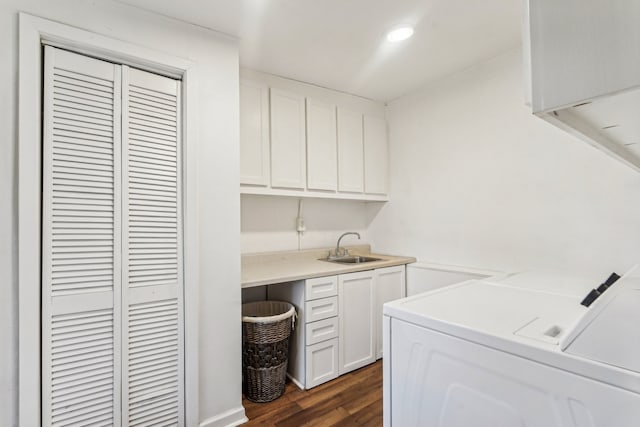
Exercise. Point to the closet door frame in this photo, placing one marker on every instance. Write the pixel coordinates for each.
(34, 32)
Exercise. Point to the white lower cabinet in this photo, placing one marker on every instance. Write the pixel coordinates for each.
(320, 287)
(339, 321)
(313, 351)
(322, 362)
(390, 286)
(321, 330)
(321, 309)
(356, 301)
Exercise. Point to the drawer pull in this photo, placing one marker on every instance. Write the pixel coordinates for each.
(322, 331)
(323, 308)
(323, 287)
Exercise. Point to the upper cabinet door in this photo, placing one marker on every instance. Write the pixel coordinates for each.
(376, 155)
(254, 133)
(350, 152)
(288, 154)
(322, 151)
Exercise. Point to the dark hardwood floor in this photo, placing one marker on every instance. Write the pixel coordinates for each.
(354, 399)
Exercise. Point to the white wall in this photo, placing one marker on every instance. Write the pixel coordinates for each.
(269, 223)
(476, 180)
(218, 205)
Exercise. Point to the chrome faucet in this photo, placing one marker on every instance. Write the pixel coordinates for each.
(341, 253)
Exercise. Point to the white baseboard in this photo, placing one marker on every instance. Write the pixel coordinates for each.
(295, 381)
(231, 418)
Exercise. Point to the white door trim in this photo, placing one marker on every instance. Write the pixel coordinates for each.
(33, 33)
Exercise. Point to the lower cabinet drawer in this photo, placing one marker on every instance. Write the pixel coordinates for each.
(321, 309)
(321, 362)
(320, 287)
(321, 330)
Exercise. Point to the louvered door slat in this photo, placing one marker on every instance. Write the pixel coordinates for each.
(142, 148)
(68, 226)
(148, 263)
(79, 167)
(150, 142)
(157, 97)
(84, 176)
(67, 83)
(152, 101)
(83, 387)
(83, 264)
(144, 123)
(149, 134)
(84, 151)
(152, 274)
(152, 126)
(75, 122)
(80, 280)
(83, 117)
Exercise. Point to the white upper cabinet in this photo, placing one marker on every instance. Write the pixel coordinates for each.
(376, 155)
(254, 133)
(322, 157)
(585, 71)
(301, 140)
(288, 154)
(350, 152)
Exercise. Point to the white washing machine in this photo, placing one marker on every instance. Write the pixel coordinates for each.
(514, 351)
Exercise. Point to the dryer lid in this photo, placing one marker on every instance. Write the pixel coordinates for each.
(609, 332)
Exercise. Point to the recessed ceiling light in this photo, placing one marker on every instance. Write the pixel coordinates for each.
(399, 34)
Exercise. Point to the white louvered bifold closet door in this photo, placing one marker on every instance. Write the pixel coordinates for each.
(81, 241)
(112, 299)
(152, 271)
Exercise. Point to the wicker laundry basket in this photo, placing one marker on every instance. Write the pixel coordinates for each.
(266, 326)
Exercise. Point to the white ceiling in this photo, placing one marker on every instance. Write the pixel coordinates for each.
(340, 44)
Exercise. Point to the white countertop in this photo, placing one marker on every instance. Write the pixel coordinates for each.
(278, 267)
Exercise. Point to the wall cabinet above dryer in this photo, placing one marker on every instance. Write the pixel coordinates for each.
(301, 140)
(584, 65)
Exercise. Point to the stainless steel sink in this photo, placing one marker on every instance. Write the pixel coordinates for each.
(351, 259)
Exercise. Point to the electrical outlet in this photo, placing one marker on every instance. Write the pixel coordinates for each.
(300, 227)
